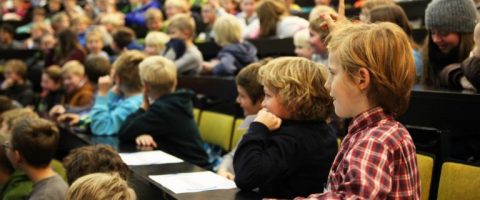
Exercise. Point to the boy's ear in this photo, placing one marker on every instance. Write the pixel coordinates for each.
(17, 158)
(363, 78)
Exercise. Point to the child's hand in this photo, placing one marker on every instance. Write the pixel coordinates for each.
(207, 67)
(56, 111)
(70, 118)
(104, 85)
(146, 140)
(224, 173)
(7, 83)
(268, 119)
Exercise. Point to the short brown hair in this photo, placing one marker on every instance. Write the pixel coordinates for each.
(299, 83)
(17, 66)
(92, 159)
(8, 117)
(248, 78)
(384, 50)
(123, 36)
(36, 140)
(100, 186)
(96, 67)
(54, 72)
(126, 68)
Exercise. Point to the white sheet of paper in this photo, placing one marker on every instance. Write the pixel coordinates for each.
(193, 182)
(149, 158)
(246, 123)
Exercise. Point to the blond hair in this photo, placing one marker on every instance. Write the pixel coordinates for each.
(73, 67)
(183, 5)
(157, 39)
(227, 30)
(317, 11)
(152, 14)
(126, 68)
(384, 50)
(17, 66)
(301, 38)
(81, 19)
(299, 84)
(95, 34)
(112, 19)
(159, 73)
(100, 186)
(183, 23)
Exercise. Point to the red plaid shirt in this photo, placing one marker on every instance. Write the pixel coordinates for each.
(376, 161)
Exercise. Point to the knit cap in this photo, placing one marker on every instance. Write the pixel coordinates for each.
(451, 15)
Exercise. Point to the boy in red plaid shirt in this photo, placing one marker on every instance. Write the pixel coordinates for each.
(371, 74)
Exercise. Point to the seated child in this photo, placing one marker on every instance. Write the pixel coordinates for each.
(92, 159)
(250, 97)
(182, 27)
(318, 36)
(235, 53)
(15, 85)
(470, 67)
(15, 184)
(154, 20)
(31, 149)
(94, 43)
(96, 67)
(79, 27)
(100, 186)
(155, 43)
(165, 119)
(302, 45)
(289, 148)
(52, 91)
(377, 158)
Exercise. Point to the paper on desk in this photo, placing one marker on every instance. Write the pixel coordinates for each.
(149, 158)
(193, 182)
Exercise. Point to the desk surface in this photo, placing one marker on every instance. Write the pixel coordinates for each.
(148, 189)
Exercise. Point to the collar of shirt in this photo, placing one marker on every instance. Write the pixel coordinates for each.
(366, 119)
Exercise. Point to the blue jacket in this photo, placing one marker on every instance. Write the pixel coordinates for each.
(109, 112)
(234, 57)
(137, 17)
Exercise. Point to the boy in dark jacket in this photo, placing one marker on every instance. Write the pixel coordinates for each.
(289, 148)
(15, 85)
(235, 53)
(165, 119)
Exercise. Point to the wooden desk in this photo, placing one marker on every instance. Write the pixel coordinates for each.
(146, 188)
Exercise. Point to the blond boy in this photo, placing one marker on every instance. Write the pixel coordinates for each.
(165, 119)
(155, 43)
(302, 45)
(100, 186)
(95, 45)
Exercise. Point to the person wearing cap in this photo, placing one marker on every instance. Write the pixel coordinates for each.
(450, 24)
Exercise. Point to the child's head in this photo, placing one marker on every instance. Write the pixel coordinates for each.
(33, 143)
(155, 43)
(231, 6)
(73, 74)
(8, 117)
(370, 65)
(100, 186)
(227, 30)
(47, 43)
(60, 21)
(209, 13)
(302, 45)
(250, 90)
(174, 7)
(369, 5)
(159, 75)
(112, 22)
(318, 35)
(39, 14)
(15, 70)
(269, 13)
(54, 5)
(40, 29)
(126, 71)
(154, 19)
(96, 67)
(92, 159)
(294, 89)
(80, 24)
(122, 38)
(248, 6)
(94, 42)
(6, 33)
(52, 78)
(391, 13)
(181, 27)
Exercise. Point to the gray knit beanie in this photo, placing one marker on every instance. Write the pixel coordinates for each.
(451, 15)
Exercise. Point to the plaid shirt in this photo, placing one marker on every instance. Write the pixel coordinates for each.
(376, 161)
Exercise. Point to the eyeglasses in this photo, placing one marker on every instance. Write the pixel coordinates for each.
(7, 145)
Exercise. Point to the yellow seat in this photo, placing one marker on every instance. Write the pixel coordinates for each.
(459, 181)
(216, 128)
(196, 115)
(237, 132)
(425, 170)
(57, 166)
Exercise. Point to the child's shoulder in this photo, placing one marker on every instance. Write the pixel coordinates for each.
(388, 132)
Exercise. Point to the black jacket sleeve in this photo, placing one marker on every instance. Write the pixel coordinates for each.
(260, 159)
